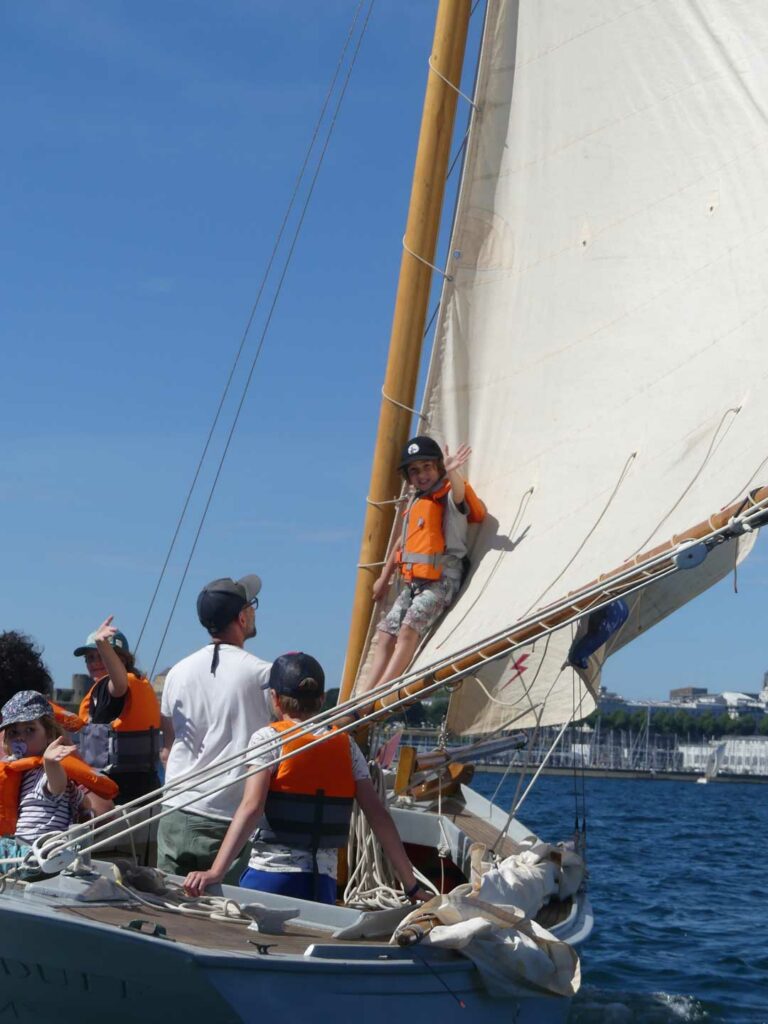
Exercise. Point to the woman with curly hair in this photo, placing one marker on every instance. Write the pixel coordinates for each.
(22, 666)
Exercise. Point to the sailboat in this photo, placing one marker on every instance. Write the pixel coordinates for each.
(713, 763)
(599, 342)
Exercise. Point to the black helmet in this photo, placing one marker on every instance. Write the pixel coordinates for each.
(419, 448)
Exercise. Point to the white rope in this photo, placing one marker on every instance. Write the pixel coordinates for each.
(393, 401)
(714, 444)
(213, 908)
(372, 882)
(455, 88)
(387, 501)
(590, 533)
(426, 263)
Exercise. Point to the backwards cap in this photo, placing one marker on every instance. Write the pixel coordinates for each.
(221, 601)
(297, 675)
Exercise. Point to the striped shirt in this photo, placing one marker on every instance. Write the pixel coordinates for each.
(40, 811)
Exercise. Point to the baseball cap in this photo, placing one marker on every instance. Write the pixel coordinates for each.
(117, 640)
(25, 706)
(297, 675)
(221, 601)
(418, 449)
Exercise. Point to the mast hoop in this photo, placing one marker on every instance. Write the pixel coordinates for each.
(455, 88)
(438, 270)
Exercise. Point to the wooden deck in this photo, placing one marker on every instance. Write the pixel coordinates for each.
(222, 936)
(237, 937)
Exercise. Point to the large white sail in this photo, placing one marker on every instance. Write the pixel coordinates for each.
(602, 342)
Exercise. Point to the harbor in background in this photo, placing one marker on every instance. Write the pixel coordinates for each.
(596, 752)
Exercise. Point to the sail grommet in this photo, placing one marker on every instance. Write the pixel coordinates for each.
(690, 556)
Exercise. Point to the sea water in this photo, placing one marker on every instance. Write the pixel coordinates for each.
(678, 881)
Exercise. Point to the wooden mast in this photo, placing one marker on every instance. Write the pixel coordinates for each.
(447, 58)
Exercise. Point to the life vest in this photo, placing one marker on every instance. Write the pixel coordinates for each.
(309, 803)
(421, 553)
(130, 742)
(67, 719)
(11, 773)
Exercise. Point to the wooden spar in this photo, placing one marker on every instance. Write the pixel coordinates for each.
(410, 313)
(529, 631)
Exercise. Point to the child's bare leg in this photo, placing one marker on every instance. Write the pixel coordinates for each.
(405, 648)
(385, 645)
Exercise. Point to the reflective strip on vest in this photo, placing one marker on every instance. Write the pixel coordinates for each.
(311, 821)
(414, 558)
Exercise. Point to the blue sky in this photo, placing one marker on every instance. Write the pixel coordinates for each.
(148, 152)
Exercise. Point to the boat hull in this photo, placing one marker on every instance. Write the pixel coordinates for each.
(54, 966)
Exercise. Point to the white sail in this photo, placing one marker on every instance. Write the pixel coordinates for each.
(602, 341)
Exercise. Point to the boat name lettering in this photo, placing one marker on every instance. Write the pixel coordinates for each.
(82, 981)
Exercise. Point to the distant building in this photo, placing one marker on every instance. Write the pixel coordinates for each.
(693, 700)
(687, 692)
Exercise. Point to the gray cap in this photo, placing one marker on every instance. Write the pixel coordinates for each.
(117, 640)
(221, 601)
(25, 706)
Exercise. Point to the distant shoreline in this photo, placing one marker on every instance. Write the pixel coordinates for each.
(628, 773)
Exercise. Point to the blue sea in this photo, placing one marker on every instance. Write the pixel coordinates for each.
(678, 882)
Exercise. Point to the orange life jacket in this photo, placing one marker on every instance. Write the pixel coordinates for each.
(310, 797)
(141, 709)
(131, 742)
(10, 785)
(421, 554)
(67, 719)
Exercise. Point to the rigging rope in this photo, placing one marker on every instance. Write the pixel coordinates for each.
(372, 881)
(262, 285)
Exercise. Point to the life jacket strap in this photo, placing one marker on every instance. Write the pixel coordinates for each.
(310, 821)
(134, 751)
(114, 750)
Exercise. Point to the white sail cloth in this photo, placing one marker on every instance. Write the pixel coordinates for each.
(490, 920)
(601, 342)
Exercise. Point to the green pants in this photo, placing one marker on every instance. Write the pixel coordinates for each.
(189, 842)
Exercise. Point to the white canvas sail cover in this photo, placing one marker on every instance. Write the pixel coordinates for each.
(603, 342)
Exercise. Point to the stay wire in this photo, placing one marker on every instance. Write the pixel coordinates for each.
(266, 327)
(249, 323)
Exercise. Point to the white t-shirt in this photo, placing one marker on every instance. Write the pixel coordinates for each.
(273, 857)
(455, 532)
(213, 718)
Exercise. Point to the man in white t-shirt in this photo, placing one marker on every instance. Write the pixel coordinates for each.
(212, 703)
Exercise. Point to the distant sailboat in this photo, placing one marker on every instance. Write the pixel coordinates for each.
(714, 761)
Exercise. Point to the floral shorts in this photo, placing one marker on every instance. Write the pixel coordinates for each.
(420, 606)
